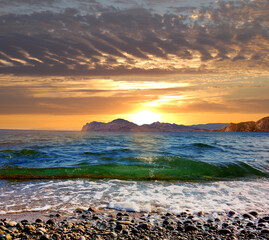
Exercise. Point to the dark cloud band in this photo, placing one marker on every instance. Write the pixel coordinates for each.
(111, 41)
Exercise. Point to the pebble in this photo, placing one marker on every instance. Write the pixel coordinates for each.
(118, 227)
(79, 211)
(265, 231)
(113, 234)
(224, 231)
(252, 236)
(42, 230)
(187, 222)
(266, 218)
(190, 228)
(2, 236)
(125, 232)
(45, 237)
(39, 232)
(102, 225)
(180, 228)
(12, 224)
(231, 213)
(94, 217)
(39, 220)
(24, 221)
(8, 237)
(201, 214)
(143, 226)
(51, 222)
(29, 228)
(253, 213)
(261, 220)
(119, 214)
(250, 224)
(92, 209)
(125, 222)
(246, 215)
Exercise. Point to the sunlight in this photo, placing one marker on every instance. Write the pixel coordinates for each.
(145, 117)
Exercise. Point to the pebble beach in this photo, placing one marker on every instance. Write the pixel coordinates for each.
(111, 224)
(73, 185)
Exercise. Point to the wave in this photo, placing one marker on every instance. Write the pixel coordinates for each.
(21, 153)
(203, 145)
(113, 151)
(11, 142)
(160, 168)
(94, 153)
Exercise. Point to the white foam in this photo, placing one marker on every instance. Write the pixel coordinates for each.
(130, 206)
(175, 197)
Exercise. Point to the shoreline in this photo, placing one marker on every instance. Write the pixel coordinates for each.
(113, 224)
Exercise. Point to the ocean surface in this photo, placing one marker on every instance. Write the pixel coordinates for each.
(144, 172)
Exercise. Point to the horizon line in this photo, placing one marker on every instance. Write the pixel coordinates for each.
(77, 130)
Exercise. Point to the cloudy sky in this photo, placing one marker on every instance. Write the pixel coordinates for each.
(64, 63)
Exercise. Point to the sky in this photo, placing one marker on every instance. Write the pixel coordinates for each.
(64, 63)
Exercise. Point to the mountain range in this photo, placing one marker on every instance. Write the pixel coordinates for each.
(121, 125)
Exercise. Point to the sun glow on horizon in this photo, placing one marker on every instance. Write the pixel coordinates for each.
(145, 117)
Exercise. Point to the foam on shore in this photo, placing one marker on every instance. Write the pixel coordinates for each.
(140, 196)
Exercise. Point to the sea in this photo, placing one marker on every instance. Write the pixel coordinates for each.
(61, 171)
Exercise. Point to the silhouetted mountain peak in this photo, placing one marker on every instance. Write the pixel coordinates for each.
(121, 121)
(122, 125)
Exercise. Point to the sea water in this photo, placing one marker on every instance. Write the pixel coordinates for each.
(143, 172)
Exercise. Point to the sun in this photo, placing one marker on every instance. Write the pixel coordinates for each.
(145, 117)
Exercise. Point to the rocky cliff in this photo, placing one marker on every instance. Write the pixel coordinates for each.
(121, 125)
(118, 125)
(263, 125)
(260, 126)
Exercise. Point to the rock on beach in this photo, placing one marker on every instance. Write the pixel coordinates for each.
(109, 224)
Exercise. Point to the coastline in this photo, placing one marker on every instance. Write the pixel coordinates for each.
(151, 209)
(112, 224)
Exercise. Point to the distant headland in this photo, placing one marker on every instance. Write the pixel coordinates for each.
(261, 125)
(121, 125)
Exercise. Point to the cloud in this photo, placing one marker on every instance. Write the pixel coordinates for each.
(230, 106)
(58, 101)
(118, 95)
(121, 41)
(23, 101)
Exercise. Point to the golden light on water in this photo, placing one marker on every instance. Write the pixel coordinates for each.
(145, 117)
